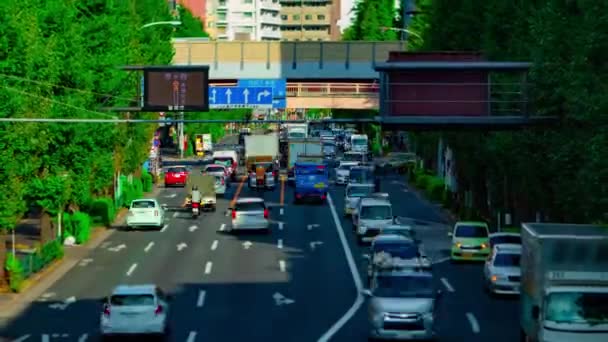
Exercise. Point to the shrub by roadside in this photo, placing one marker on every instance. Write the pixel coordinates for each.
(42, 257)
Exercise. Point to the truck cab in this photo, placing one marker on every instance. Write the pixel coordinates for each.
(311, 181)
(564, 284)
(358, 143)
(372, 214)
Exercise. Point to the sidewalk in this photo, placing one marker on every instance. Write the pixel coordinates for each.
(12, 304)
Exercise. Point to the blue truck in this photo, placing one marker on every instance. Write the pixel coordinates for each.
(311, 181)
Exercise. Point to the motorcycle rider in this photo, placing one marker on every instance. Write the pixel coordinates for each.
(196, 195)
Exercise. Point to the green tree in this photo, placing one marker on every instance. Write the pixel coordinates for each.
(370, 17)
(191, 26)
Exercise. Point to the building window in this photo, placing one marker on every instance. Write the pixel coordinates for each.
(321, 17)
(247, 1)
(283, 17)
(296, 17)
(210, 24)
(221, 16)
(248, 14)
(222, 3)
(308, 17)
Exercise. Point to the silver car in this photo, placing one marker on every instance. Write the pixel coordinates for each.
(402, 305)
(250, 213)
(343, 170)
(395, 252)
(352, 195)
(502, 270)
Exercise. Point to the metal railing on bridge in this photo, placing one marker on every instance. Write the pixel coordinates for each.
(332, 89)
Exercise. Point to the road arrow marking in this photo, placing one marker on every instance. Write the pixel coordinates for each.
(213, 95)
(263, 94)
(85, 262)
(314, 244)
(193, 228)
(246, 95)
(228, 95)
(311, 226)
(147, 249)
(64, 305)
(181, 246)
(83, 337)
(247, 244)
(175, 214)
(131, 269)
(171, 196)
(22, 338)
(280, 300)
(106, 244)
(191, 336)
(118, 248)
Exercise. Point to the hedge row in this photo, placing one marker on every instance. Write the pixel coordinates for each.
(42, 257)
(77, 225)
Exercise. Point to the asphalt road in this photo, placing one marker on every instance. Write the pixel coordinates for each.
(291, 285)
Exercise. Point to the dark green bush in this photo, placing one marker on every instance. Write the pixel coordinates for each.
(81, 223)
(138, 188)
(67, 225)
(50, 251)
(435, 188)
(102, 210)
(15, 272)
(422, 180)
(147, 181)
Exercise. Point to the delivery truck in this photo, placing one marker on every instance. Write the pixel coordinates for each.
(261, 148)
(297, 147)
(202, 144)
(564, 285)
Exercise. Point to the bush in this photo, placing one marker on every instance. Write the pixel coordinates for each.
(422, 181)
(15, 272)
(147, 181)
(102, 210)
(435, 188)
(50, 251)
(448, 199)
(81, 223)
(67, 225)
(131, 191)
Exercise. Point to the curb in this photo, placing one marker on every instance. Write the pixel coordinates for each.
(41, 281)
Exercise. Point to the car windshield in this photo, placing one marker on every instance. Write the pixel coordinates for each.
(358, 175)
(218, 179)
(376, 212)
(250, 206)
(396, 250)
(297, 135)
(576, 307)
(359, 191)
(132, 300)
(214, 169)
(403, 287)
(507, 259)
(506, 239)
(398, 231)
(359, 141)
(223, 161)
(312, 171)
(176, 169)
(143, 205)
(465, 231)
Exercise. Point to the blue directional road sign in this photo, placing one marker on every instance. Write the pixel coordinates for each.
(240, 97)
(279, 89)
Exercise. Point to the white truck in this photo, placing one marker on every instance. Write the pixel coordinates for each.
(297, 147)
(297, 131)
(207, 142)
(261, 147)
(358, 143)
(564, 285)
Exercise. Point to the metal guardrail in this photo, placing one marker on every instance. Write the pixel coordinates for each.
(332, 89)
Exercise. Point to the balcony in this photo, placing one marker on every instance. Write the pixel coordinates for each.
(269, 19)
(269, 5)
(266, 33)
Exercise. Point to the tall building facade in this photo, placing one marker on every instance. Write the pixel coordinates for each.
(198, 8)
(243, 20)
(310, 20)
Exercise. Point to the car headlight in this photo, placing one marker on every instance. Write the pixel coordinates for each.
(458, 245)
(484, 245)
(496, 277)
(362, 229)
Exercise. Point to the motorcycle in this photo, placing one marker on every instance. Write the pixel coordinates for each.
(195, 209)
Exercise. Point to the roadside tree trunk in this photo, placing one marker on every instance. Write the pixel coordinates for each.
(46, 228)
(3, 273)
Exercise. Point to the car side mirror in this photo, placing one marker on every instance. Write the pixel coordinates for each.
(535, 312)
(164, 206)
(450, 234)
(366, 257)
(366, 293)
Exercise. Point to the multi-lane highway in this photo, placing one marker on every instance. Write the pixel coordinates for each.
(295, 284)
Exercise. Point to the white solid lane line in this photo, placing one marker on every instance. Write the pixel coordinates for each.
(214, 245)
(447, 285)
(281, 225)
(222, 227)
(282, 265)
(208, 267)
(280, 243)
(164, 228)
(201, 298)
(352, 265)
(473, 322)
(22, 338)
(131, 269)
(83, 338)
(147, 249)
(191, 336)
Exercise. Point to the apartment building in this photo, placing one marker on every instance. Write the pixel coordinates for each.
(310, 20)
(243, 20)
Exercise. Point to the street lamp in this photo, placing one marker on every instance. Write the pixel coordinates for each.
(156, 23)
(384, 29)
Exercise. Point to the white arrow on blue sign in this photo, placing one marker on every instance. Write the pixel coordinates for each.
(240, 97)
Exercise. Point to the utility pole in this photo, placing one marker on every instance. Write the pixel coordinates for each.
(407, 8)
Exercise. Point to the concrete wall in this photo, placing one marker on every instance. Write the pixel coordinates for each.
(291, 60)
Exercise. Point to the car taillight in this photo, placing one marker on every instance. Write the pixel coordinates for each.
(106, 310)
(233, 214)
(323, 196)
(265, 213)
(274, 173)
(194, 205)
(159, 310)
(155, 212)
(223, 182)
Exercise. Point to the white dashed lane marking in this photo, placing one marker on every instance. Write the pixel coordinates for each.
(214, 245)
(447, 285)
(131, 269)
(150, 245)
(208, 267)
(473, 322)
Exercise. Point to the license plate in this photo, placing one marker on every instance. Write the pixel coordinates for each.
(467, 255)
(319, 185)
(195, 210)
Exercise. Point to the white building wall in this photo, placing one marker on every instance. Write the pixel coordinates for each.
(260, 19)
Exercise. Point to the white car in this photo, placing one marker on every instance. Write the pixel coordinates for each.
(352, 195)
(220, 185)
(135, 310)
(215, 169)
(373, 213)
(145, 213)
(343, 170)
(396, 252)
(250, 213)
(502, 270)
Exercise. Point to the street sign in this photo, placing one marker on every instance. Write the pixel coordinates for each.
(279, 89)
(176, 89)
(240, 97)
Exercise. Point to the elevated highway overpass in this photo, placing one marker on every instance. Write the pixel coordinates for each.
(318, 74)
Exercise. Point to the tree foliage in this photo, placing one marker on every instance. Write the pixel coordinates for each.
(191, 26)
(561, 171)
(370, 17)
(59, 59)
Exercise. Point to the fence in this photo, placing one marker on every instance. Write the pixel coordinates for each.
(31, 261)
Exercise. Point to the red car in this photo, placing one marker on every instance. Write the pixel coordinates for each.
(176, 176)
